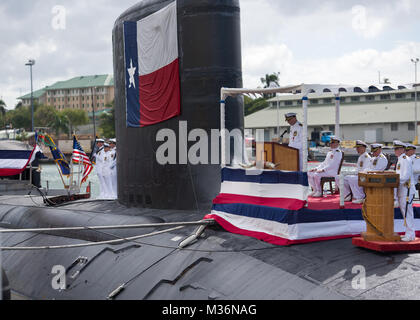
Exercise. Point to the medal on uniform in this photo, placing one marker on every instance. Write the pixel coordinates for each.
(332, 156)
(375, 162)
(361, 164)
(398, 166)
(295, 134)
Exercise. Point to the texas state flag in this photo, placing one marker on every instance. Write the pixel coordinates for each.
(152, 68)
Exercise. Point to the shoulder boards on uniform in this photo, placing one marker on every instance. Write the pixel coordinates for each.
(404, 157)
(301, 125)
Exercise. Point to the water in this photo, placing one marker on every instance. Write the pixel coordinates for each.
(50, 173)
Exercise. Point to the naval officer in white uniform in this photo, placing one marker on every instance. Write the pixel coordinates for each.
(296, 135)
(99, 166)
(351, 182)
(378, 160)
(113, 168)
(406, 189)
(106, 172)
(410, 151)
(328, 168)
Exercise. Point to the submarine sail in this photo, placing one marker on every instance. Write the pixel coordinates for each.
(209, 53)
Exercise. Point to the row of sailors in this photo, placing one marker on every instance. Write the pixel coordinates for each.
(106, 168)
(408, 168)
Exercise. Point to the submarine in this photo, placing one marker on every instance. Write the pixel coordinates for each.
(153, 243)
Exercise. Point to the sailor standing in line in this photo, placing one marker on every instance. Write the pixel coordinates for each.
(113, 144)
(406, 190)
(99, 160)
(329, 168)
(410, 151)
(295, 140)
(98, 147)
(378, 160)
(351, 182)
(106, 172)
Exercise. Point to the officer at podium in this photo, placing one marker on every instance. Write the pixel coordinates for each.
(296, 132)
(406, 190)
(328, 168)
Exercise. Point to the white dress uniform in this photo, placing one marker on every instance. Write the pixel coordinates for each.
(330, 168)
(416, 168)
(106, 172)
(405, 194)
(378, 163)
(295, 140)
(113, 170)
(99, 171)
(351, 182)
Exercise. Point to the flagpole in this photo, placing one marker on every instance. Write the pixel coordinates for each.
(61, 176)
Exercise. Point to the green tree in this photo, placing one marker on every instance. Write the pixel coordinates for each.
(45, 116)
(20, 118)
(75, 118)
(60, 124)
(254, 105)
(270, 80)
(107, 122)
(3, 111)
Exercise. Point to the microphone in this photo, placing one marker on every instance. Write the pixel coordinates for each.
(283, 134)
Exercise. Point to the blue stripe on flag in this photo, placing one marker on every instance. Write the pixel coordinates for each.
(289, 217)
(15, 154)
(267, 177)
(131, 62)
(292, 217)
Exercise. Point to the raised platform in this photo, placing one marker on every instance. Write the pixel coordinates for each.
(381, 246)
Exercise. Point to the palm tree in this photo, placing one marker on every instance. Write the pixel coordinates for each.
(270, 80)
(3, 111)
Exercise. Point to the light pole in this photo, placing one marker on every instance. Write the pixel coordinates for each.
(415, 61)
(30, 63)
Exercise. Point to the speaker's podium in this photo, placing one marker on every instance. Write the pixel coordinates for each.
(284, 157)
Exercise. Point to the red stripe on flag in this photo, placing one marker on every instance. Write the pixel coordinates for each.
(283, 203)
(160, 97)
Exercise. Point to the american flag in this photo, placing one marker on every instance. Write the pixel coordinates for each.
(79, 156)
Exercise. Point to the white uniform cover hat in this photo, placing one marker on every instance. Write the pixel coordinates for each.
(399, 144)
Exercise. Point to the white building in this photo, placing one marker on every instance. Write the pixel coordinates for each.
(374, 117)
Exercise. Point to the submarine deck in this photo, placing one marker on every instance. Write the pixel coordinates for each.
(220, 265)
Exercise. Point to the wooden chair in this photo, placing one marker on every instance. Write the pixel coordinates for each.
(330, 180)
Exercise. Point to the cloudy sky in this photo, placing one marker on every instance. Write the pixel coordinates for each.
(311, 41)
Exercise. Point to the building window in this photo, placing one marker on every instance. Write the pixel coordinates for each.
(343, 100)
(400, 96)
(331, 128)
(327, 101)
(370, 98)
(355, 99)
(394, 126)
(411, 126)
(287, 103)
(385, 97)
(314, 101)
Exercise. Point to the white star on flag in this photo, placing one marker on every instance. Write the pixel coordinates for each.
(131, 71)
